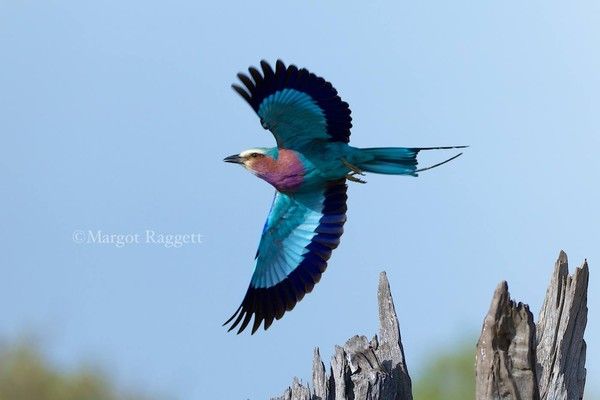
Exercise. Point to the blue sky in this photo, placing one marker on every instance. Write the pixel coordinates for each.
(115, 116)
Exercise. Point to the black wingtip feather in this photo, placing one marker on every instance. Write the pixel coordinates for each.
(237, 320)
(247, 82)
(241, 92)
(267, 70)
(258, 78)
(256, 325)
(245, 322)
(232, 317)
(269, 321)
(280, 67)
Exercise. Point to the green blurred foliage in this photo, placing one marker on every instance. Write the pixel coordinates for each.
(449, 375)
(25, 374)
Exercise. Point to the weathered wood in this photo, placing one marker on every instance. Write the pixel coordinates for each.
(515, 360)
(505, 358)
(519, 360)
(560, 345)
(296, 392)
(339, 371)
(363, 369)
(319, 376)
(390, 349)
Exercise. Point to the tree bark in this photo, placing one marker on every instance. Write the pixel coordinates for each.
(560, 345)
(505, 358)
(362, 369)
(515, 359)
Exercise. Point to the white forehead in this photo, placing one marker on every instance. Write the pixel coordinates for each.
(258, 150)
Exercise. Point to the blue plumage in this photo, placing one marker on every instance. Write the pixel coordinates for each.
(297, 240)
(389, 160)
(309, 168)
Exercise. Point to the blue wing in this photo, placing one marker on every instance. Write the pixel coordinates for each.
(300, 233)
(295, 105)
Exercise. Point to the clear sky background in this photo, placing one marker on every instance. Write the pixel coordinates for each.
(116, 116)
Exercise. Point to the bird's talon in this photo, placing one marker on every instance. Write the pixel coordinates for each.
(353, 178)
(352, 168)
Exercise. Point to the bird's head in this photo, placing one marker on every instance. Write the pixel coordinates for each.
(279, 167)
(254, 160)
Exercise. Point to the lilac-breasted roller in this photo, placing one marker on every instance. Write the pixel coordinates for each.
(308, 168)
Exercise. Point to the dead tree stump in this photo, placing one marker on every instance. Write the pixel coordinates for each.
(515, 360)
(362, 369)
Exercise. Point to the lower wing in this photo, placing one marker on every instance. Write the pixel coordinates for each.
(299, 235)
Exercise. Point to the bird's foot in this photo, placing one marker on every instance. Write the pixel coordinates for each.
(351, 177)
(353, 168)
(355, 171)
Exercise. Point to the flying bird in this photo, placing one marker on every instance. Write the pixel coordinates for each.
(309, 168)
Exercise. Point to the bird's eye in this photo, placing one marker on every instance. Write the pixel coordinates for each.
(254, 155)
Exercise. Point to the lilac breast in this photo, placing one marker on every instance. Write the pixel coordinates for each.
(286, 173)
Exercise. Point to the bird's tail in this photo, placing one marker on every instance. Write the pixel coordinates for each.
(397, 160)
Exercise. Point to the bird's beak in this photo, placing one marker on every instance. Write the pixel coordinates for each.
(236, 159)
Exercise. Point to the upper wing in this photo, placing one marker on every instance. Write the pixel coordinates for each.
(296, 105)
(297, 240)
